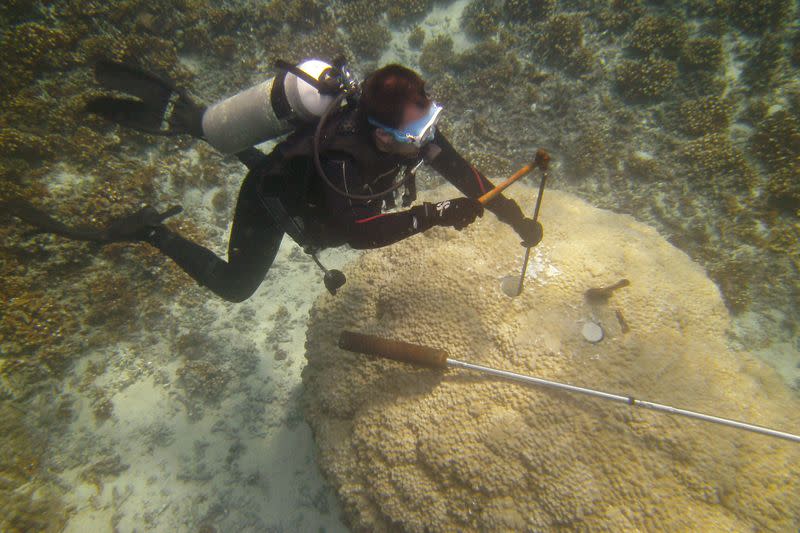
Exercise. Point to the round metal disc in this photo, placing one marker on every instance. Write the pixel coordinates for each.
(592, 332)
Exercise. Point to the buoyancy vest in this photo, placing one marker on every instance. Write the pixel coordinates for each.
(293, 176)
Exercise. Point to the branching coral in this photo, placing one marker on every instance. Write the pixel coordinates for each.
(762, 70)
(361, 20)
(776, 143)
(416, 38)
(647, 79)
(704, 53)
(27, 47)
(756, 16)
(658, 33)
(437, 55)
(301, 15)
(704, 115)
(562, 43)
(620, 14)
(203, 379)
(403, 11)
(714, 163)
(368, 42)
(484, 68)
(528, 11)
(481, 17)
(29, 504)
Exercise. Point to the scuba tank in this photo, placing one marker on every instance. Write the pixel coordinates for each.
(298, 94)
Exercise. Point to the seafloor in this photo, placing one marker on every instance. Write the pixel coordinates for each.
(132, 399)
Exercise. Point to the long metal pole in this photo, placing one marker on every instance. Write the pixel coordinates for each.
(630, 400)
(535, 219)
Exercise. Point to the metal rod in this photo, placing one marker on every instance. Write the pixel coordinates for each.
(535, 218)
(630, 400)
(313, 255)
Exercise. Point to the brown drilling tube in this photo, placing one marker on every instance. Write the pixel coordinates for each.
(398, 350)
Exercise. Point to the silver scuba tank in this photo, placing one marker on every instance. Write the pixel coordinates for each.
(267, 110)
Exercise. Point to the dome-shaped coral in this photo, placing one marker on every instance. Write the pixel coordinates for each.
(422, 450)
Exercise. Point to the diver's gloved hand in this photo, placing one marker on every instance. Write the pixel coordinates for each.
(152, 104)
(457, 213)
(509, 212)
(531, 232)
(139, 225)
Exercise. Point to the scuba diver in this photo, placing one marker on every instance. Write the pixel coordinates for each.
(325, 185)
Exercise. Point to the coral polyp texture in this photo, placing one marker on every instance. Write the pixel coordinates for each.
(424, 450)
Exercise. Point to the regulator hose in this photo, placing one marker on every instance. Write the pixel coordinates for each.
(318, 165)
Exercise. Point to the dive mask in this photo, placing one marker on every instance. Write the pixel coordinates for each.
(418, 132)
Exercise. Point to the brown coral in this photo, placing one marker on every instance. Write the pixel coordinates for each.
(648, 79)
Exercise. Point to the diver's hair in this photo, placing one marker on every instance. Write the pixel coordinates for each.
(386, 92)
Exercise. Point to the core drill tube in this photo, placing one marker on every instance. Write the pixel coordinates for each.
(434, 358)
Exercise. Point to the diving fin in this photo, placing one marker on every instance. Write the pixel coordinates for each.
(44, 223)
(133, 227)
(138, 226)
(153, 104)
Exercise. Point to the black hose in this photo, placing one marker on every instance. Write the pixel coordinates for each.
(318, 165)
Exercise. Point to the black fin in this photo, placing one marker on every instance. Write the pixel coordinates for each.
(44, 223)
(134, 81)
(128, 113)
(149, 103)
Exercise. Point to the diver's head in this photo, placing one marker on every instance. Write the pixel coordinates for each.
(394, 108)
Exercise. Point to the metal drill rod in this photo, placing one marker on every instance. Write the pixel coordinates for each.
(630, 400)
(535, 218)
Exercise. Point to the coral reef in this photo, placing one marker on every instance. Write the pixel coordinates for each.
(528, 11)
(437, 55)
(203, 379)
(620, 14)
(484, 69)
(562, 43)
(592, 151)
(26, 47)
(369, 41)
(655, 33)
(28, 503)
(106, 467)
(764, 67)
(481, 18)
(714, 163)
(404, 11)
(756, 16)
(416, 38)
(301, 15)
(645, 80)
(366, 32)
(776, 143)
(421, 450)
(704, 53)
(704, 115)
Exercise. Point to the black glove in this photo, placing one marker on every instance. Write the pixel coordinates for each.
(457, 213)
(530, 231)
(509, 212)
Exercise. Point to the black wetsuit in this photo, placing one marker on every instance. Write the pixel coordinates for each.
(328, 218)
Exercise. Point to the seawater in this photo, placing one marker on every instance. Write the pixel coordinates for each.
(135, 400)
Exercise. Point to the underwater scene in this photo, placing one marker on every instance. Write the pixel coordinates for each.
(410, 265)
